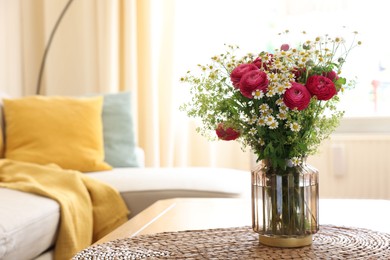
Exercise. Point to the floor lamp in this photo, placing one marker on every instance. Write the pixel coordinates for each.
(47, 48)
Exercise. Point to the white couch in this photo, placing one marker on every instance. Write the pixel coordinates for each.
(28, 223)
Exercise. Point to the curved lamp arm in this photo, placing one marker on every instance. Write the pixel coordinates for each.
(38, 89)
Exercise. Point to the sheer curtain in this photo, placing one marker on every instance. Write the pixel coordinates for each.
(10, 48)
(111, 46)
(166, 135)
(83, 56)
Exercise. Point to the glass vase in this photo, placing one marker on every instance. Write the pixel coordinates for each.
(285, 204)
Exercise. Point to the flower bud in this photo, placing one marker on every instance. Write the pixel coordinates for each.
(285, 47)
(309, 63)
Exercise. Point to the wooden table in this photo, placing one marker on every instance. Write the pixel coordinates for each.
(204, 213)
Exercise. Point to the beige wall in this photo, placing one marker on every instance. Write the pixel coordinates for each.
(354, 166)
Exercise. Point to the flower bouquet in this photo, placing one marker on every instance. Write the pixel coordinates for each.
(281, 105)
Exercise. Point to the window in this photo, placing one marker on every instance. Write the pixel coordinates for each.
(204, 26)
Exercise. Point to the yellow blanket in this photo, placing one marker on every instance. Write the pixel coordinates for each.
(89, 209)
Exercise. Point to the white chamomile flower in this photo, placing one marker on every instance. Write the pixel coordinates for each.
(272, 77)
(295, 127)
(278, 65)
(280, 89)
(261, 121)
(283, 53)
(296, 161)
(319, 39)
(253, 131)
(271, 87)
(287, 84)
(270, 93)
(252, 121)
(279, 102)
(270, 120)
(283, 108)
(257, 94)
(281, 116)
(339, 40)
(263, 108)
(266, 57)
(267, 113)
(273, 125)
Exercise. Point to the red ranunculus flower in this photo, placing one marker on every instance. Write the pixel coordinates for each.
(330, 75)
(321, 87)
(257, 62)
(239, 71)
(253, 80)
(298, 72)
(263, 65)
(297, 96)
(227, 134)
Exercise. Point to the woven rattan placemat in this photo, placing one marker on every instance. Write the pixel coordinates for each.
(330, 242)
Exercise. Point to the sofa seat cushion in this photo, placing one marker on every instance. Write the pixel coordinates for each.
(28, 224)
(141, 187)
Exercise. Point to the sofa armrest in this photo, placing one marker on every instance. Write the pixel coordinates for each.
(141, 187)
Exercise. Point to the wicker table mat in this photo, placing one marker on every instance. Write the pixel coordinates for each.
(330, 242)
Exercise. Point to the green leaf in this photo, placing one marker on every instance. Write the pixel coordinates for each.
(341, 81)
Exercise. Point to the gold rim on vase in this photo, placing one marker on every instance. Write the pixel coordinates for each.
(288, 242)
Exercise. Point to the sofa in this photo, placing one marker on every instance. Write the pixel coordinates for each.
(29, 222)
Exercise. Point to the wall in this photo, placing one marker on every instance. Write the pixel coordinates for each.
(354, 166)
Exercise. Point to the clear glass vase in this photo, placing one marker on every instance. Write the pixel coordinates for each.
(285, 204)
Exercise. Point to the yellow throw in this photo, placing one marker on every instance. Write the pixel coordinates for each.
(89, 208)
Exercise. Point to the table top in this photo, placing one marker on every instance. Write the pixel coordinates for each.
(204, 213)
(331, 242)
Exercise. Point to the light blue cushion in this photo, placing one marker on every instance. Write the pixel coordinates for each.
(118, 131)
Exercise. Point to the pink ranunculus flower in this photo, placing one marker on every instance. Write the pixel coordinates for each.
(226, 134)
(321, 87)
(239, 71)
(297, 96)
(253, 80)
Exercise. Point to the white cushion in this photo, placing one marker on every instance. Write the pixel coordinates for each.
(28, 224)
(141, 187)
